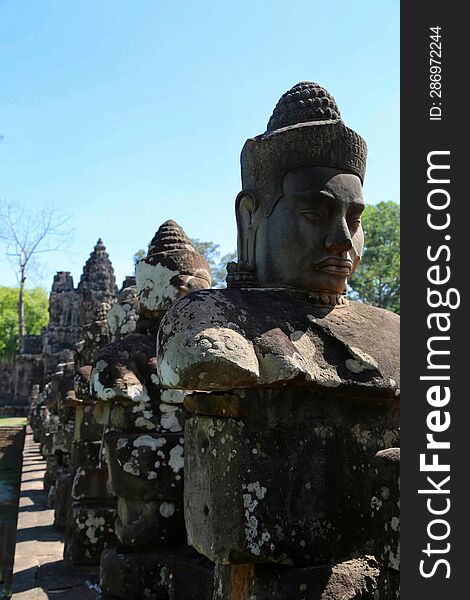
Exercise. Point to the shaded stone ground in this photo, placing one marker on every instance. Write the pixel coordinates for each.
(39, 571)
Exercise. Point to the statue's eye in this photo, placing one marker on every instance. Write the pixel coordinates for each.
(354, 224)
(311, 215)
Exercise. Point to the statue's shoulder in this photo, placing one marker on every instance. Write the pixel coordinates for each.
(202, 343)
(232, 338)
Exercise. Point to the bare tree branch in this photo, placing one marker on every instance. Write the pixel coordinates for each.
(25, 235)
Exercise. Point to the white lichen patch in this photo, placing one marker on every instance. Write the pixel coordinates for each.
(254, 493)
(149, 441)
(155, 290)
(97, 388)
(169, 419)
(122, 319)
(167, 509)
(132, 467)
(143, 423)
(385, 493)
(389, 438)
(362, 436)
(93, 524)
(167, 370)
(176, 461)
(174, 396)
(137, 392)
(121, 443)
(394, 557)
(375, 503)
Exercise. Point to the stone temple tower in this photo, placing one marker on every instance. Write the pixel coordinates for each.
(64, 314)
(97, 283)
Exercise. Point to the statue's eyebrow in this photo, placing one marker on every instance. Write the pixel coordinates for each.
(309, 194)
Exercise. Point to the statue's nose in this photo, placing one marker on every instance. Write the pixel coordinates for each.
(339, 240)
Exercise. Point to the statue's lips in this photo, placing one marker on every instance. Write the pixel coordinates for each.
(341, 266)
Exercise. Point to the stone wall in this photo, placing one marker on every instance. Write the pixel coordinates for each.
(7, 389)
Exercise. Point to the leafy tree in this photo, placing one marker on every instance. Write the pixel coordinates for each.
(138, 256)
(36, 317)
(377, 279)
(25, 236)
(210, 251)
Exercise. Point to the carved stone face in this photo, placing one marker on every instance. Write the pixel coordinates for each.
(313, 239)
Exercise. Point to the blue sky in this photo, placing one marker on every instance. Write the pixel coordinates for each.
(126, 113)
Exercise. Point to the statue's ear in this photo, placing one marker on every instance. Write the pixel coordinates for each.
(245, 210)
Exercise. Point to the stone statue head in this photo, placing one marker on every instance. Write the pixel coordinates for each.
(171, 269)
(299, 212)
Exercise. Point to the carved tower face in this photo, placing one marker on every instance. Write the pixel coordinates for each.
(299, 213)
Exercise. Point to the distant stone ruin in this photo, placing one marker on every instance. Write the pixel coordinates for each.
(69, 309)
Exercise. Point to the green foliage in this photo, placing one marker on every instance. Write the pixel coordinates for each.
(139, 255)
(36, 317)
(211, 253)
(377, 279)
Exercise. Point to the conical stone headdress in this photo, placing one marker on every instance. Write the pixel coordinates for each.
(171, 269)
(305, 129)
(172, 248)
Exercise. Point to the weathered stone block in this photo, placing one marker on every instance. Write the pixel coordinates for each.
(385, 505)
(141, 524)
(63, 499)
(86, 428)
(90, 484)
(81, 384)
(287, 482)
(89, 531)
(86, 454)
(166, 575)
(150, 416)
(357, 579)
(62, 440)
(145, 466)
(123, 315)
(47, 445)
(50, 476)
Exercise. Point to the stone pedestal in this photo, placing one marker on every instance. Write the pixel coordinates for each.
(90, 523)
(90, 530)
(281, 492)
(356, 579)
(63, 499)
(146, 474)
(291, 470)
(170, 574)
